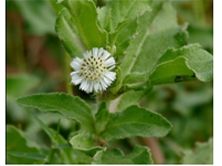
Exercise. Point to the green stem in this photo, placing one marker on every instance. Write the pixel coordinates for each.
(154, 145)
(67, 74)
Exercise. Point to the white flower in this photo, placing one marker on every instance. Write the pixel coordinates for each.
(94, 71)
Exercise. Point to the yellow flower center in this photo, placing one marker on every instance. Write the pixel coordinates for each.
(92, 68)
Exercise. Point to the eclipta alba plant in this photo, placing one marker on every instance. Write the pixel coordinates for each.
(121, 51)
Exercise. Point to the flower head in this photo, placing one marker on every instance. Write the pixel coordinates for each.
(94, 72)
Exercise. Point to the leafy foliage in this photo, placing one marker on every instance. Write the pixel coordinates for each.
(188, 60)
(73, 27)
(102, 118)
(150, 48)
(140, 155)
(67, 34)
(18, 150)
(65, 152)
(115, 13)
(203, 154)
(69, 106)
(135, 121)
(129, 98)
(83, 141)
(151, 40)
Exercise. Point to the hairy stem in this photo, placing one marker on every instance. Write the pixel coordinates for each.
(154, 146)
(67, 69)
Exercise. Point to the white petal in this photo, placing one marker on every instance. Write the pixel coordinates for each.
(90, 86)
(76, 79)
(95, 51)
(87, 87)
(105, 55)
(111, 67)
(104, 85)
(74, 73)
(79, 60)
(76, 63)
(96, 86)
(107, 81)
(110, 75)
(100, 51)
(100, 88)
(110, 62)
(84, 85)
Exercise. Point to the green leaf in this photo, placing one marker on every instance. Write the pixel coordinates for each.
(83, 141)
(71, 107)
(66, 153)
(172, 71)
(135, 121)
(123, 35)
(120, 19)
(68, 34)
(129, 98)
(139, 155)
(58, 141)
(39, 16)
(180, 64)
(18, 151)
(102, 118)
(114, 156)
(203, 154)
(75, 21)
(20, 84)
(56, 6)
(117, 12)
(135, 81)
(156, 32)
(103, 16)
